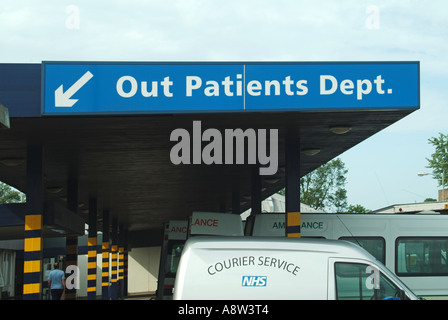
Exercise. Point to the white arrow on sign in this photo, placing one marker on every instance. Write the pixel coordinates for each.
(63, 99)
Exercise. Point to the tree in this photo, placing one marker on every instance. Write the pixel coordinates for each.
(324, 188)
(9, 194)
(357, 208)
(439, 159)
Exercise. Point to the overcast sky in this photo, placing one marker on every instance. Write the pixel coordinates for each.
(382, 170)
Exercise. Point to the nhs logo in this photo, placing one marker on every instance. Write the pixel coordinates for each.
(254, 281)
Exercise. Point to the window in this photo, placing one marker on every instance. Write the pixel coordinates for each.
(6, 261)
(373, 245)
(421, 256)
(174, 252)
(357, 281)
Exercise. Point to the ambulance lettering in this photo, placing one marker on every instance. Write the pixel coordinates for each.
(206, 222)
(316, 225)
(179, 229)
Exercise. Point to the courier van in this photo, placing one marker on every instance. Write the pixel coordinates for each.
(266, 268)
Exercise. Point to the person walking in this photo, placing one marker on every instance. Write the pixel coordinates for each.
(56, 282)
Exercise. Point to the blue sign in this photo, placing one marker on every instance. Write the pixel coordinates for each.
(132, 88)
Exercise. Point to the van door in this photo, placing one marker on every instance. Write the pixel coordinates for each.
(356, 279)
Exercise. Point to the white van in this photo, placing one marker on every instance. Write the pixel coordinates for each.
(259, 268)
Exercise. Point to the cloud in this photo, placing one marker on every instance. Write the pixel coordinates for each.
(226, 30)
(258, 30)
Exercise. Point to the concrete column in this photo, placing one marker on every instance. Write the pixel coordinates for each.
(292, 177)
(71, 259)
(105, 257)
(256, 191)
(114, 261)
(121, 240)
(125, 262)
(92, 250)
(32, 276)
(71, 244)
(255, 200)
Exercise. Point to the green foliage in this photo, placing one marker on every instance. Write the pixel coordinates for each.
(357, 208)
(324, 188)
(9, 194)
(439, 159)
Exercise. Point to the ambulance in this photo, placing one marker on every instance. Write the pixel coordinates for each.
(174, 237)
(413, 246)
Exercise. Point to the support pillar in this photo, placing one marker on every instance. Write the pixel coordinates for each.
(125, 283)
(125, 260)
(114, 261)
(32, 271)
(256, 191)
(121, 242)
(292, 177)
(32, 276)
(255, 200)
(92, 250)
(71, 259)
(71, 244)
(105, 257)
